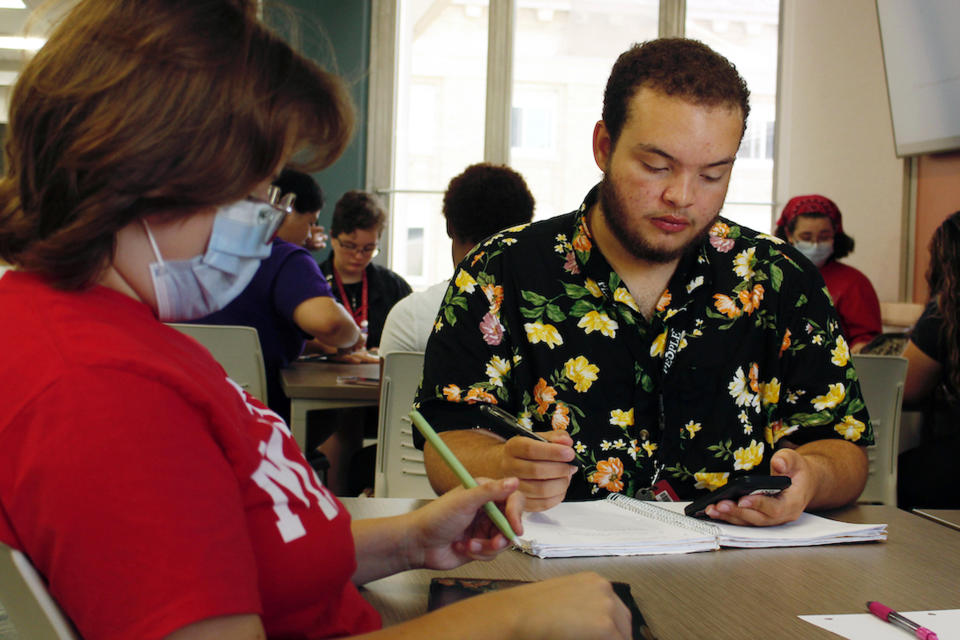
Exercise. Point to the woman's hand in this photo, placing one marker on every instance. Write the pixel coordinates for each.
(454, 529)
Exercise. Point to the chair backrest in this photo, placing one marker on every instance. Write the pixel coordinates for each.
(34, 614)
(881, 380)
(237, 349)
(400, 471)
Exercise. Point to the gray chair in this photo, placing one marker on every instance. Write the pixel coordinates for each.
(400, 472)
(34, 614)
(881, 380)
(237, 349)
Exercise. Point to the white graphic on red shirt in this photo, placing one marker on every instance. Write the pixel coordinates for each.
(277, 472)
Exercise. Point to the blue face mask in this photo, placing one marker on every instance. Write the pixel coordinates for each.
(816, 252)
(240, 239)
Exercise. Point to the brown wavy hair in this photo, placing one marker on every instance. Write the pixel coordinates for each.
(677, 67)
(943, 277)
(136, 107)
(357, 210)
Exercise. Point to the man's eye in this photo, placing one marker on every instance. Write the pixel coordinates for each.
(710, 178)
(653, 168)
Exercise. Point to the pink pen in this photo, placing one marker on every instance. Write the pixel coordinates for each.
(887, 614)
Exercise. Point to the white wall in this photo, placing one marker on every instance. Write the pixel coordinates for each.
(836, 136)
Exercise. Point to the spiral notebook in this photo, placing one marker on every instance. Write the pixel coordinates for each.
(624, 526)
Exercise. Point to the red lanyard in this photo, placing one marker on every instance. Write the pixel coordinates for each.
(359, 316)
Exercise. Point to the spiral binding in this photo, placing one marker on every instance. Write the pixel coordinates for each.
(659, 514)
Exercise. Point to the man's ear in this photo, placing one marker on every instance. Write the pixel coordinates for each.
(602, 145)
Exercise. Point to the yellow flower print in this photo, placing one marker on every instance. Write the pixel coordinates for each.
(581, 372)
(545, 333)
(525, 419)
(592, 287)
(621, 418)
(623, 296)
(608, 474)
(659, 343)
(649, 447)
(509, 241)
(748, 457)
(692, 428)
(840, 353)
(465, 282)
(832, 398)
(596, 321)
(496, 369)
(452, 393)
(664, 300)
(438, 325)
(518, 227)
(693, 284)
(850, 428)
(776, 430)
(817, 339)
(743, 263)
(710, 479)
(770, 392)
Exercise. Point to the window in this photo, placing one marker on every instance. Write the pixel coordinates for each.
(521, 82)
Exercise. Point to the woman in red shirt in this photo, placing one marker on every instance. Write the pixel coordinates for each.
(155, 496)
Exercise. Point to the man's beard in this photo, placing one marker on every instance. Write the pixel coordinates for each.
(617, 219)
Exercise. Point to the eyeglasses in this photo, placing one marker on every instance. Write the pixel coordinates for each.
(368, 251)
(273, 216)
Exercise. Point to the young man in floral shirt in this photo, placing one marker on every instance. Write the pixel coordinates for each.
(658, 346)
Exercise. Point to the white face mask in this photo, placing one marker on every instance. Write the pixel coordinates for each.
(816, 252)
(194, 288)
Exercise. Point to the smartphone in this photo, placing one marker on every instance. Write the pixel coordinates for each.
(736, 489)
(510, 422)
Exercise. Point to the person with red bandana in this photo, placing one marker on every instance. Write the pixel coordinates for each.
(813, 225)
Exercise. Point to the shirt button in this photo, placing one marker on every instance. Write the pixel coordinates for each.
(644, 434)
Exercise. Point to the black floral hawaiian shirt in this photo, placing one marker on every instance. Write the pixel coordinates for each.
(744, 349)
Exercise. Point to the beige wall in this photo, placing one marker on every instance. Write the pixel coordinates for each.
(836, 137)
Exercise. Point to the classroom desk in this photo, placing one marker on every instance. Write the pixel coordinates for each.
(731, 593)
(946, 517)
(313, 385)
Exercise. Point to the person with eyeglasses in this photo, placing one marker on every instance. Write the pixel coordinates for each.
(156, 497)
(367, 290)
(288, 301)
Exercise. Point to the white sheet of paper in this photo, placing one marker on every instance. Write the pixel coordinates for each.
(866, 626)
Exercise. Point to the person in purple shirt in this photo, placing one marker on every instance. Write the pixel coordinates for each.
(289, 301)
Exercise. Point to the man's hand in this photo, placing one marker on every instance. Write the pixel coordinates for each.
(823, 474)
(763, 511)
(543, 468)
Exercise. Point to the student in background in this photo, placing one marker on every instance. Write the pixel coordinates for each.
(367, 290)
(814, 226)
(482, 200)
(302, 229)
(925, 475)
(155, 497)
(289, 301)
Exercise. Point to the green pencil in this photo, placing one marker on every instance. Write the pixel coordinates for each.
(461, 472)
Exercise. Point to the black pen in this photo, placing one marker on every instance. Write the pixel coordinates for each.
(507, 420)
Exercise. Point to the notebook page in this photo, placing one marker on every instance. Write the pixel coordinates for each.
(807, 530)
(601, 528)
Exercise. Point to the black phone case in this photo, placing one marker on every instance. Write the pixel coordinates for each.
(737, 489)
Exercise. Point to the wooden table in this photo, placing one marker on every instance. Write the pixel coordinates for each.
(731, 593)
(313, 385)
(946, 517)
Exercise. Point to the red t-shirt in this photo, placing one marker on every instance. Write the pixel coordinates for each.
(147, 488)
(855, 300)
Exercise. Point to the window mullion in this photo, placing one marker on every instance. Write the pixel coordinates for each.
(673, 15)
(500, 36)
